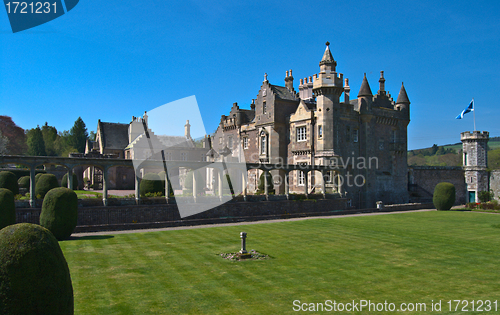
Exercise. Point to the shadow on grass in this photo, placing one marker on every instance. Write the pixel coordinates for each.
(89, 237)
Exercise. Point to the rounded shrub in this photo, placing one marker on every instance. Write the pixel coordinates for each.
(60, 212)
(45, 183)
(162, 177)
(9, 181)
(444, 196)
(188, 182)
(24, 182)
(270, 184)
(37, 177)
(34, 275)
(7, 208)
(64, 182)
(151, 183)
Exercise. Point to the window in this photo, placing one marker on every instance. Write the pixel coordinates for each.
(264, 107)
(320, 132)
(245, 143)
(203, 157)
(230, 142)
(348, 134)
(465, 158)
(394, 136)
(355, 133)
(183, 156)
(263, 143)
(301, 134)
(168, 156)
(220, 140)
(301, 178)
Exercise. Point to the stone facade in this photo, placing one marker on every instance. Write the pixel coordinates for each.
(423, 179)
(316, 127)
(475, 162)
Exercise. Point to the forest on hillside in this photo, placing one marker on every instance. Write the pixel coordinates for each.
(451, 155)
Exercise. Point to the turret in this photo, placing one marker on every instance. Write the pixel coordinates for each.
(365, 96)
(403, 103)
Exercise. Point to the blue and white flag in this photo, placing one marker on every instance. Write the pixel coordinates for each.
(468, 109)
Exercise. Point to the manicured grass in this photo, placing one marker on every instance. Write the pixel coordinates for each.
(411, 257)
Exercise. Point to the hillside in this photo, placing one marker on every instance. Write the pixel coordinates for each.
(451, 155)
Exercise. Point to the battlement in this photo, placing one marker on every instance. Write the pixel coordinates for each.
(475, 135)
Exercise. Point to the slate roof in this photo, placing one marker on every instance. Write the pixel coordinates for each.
(402, 97)
(365, 88)
(283, 93)
(114, 135)
(176, 141)
(327, 56)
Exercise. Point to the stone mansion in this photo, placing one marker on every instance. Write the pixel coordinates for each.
(318, 125)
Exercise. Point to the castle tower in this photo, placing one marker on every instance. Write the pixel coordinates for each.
(365, 96)
(327, 87)
(475, 162)
(403, 103)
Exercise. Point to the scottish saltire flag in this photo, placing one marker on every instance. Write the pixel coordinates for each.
(468, 109)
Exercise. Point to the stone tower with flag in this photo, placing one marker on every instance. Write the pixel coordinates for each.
(475, 163)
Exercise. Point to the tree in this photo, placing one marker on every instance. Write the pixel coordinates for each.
(92, 136)
(4, 142)
(15, 136)
(434, 149)
(49, 137)
(78, 135)
(36, 146)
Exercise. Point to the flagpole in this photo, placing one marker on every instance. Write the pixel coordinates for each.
(474, 110)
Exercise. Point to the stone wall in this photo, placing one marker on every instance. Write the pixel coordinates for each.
(157, 216)
(423, 179)
(495, 183)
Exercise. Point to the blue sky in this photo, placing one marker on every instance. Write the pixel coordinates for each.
(112, 60)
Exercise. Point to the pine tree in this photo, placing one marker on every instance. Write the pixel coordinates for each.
(36, 146)
(49, 137)
(79, 135)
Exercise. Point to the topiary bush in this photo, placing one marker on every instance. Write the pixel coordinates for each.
(34, 275)
(162, 177)
(37, 177)
(24, 182)
(9, 181)
(45, 183)
(444, 196)
(64, 182)
(7, 208)
(60, 212)
(188, 182)
(151, 183)
(270, 184)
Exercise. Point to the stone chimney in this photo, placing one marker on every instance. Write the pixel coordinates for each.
(289, 81)
(187, 130)
(347, 91)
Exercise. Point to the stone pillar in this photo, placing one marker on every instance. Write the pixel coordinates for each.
(306, 183)
(137, 191)
(32, 187)
(70, 179)
(287, 184)
(195, 191)
(220, 172)
(339, 184)
(244, 186)
(105, 186)
(323, 186)
(266, 190)
(167, 188)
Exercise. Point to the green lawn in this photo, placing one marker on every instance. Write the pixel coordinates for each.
(411, 257)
